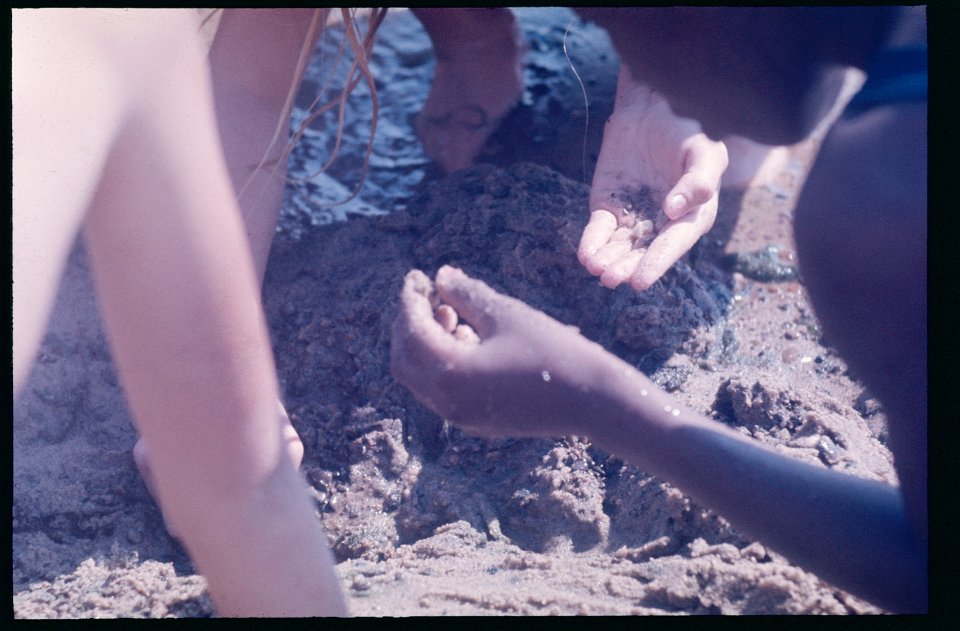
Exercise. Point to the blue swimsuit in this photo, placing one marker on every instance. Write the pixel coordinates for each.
(895, 75)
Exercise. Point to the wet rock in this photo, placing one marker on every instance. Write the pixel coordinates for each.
(763, 265)
(671, 378)
(829, 452)
(758, 406)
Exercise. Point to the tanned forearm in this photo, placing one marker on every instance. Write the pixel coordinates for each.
(848, 530)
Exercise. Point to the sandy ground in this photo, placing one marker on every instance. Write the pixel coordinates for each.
(423, 519)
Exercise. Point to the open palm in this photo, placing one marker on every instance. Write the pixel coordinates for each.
(655, 189)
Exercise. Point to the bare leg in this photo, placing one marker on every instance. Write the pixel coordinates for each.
(141, 457)
(756, 164)
(176, 285)
(861, 226)
(254, 67)
(51, 189)
(253, 63)
(477, 81)
(752, 163)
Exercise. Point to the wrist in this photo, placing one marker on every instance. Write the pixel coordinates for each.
(632, 417)
(608, 416)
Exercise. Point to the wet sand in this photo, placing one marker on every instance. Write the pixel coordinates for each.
(423, 519)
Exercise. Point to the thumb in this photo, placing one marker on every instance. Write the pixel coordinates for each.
(705, 162)
(417, 335)
(472, 299)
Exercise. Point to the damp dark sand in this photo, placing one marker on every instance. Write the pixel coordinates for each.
(423, 519)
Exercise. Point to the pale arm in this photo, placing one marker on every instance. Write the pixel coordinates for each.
(177, 290)
(633, 237)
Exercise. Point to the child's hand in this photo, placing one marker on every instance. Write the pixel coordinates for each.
(516, 372)
(648, 150)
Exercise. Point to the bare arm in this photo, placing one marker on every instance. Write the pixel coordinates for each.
(177, 290)
(528, 375)
(850, 531)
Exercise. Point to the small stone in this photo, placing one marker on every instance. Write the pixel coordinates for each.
(828, 450)
(361, 584)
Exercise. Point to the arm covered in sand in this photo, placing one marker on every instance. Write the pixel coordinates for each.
(518, 372)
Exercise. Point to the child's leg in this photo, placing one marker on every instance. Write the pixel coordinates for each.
(55, 164)
(141, 457)
(756, 164)
(256, 63)
(476, 82)
(254, 67)
(179, 295)
(861, 230)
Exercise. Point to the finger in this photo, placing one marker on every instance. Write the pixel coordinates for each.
(419, 342)
(465, 333)
(473, 299)
(416, 297)
(622, 269)
(447, 317)
(596, 234)
(704, 164)
(674, 240)
(607, 255)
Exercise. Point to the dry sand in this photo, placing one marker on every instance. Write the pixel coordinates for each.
(423, 519)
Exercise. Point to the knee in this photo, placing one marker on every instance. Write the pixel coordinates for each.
(860, 228)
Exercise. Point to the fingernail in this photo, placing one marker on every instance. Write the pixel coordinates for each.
(448, 273)
(640, 283)
(676, 204)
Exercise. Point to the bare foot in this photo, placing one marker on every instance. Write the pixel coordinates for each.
(477, 81)
(141, 457)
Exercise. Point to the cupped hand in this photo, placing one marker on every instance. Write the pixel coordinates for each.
(634, 235)
(510, 370)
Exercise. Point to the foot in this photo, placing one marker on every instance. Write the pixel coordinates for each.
(141, 457)
(476, 82)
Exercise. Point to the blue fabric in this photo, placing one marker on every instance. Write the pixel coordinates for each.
(895, 75)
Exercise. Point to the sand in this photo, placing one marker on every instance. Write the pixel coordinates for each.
(423, 519)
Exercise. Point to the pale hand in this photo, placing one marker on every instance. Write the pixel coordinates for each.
(646, 145)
